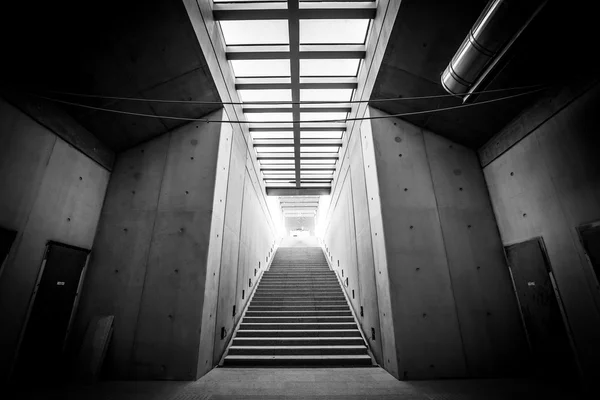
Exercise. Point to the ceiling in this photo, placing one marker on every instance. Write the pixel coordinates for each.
(291, 54)
(142, 49)
(427, 33)
(148, 49)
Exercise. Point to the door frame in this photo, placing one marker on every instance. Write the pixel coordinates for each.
(34, 294)
(4, 263)
(561, 307)
(590, 266)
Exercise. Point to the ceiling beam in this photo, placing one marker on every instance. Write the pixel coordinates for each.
(259, 143)
(290, 156)
(289, 142)
(291, 168)
(249, 11)
(306, 191)
(307, 127)
(282, 52)
(305, 83)
(259, 110)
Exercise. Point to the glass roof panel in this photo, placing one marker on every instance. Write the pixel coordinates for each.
(255, 32)
(319, 149)
(317, 161)
(342, 67)
(321, 135)
(252, 68)
(333, 31)
(325, 94)
(272, 135)
(265, 95)
(267, 162)
(257, 117)
(271, 149)
(323, 116)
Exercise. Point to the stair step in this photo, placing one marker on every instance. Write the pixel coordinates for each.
(298, 303)
(296, 350)
(298, 325)
(298, 341)
(310, 313)
(332, 360)
(298, 319)
(316, 307)
(280, 333)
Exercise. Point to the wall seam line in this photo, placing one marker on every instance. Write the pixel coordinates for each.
(137, 319)
(437, 213)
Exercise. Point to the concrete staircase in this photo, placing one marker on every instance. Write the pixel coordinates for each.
(298, 317)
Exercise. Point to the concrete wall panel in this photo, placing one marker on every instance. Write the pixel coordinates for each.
(546, 185)
(231, 243)
(56, 196)
(117, 269)
(422, 297)
(488, 313)
(364, 248)
(386, 334)
(171, 307)
(213, 273)
(25, 148)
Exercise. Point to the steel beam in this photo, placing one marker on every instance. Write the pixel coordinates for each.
(326, 10)
(306, 191)
(307, 52)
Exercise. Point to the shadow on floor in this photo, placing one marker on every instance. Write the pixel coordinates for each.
(309, 383)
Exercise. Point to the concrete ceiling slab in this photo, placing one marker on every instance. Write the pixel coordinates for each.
(192, 86)
(427, 33)
(126, 49)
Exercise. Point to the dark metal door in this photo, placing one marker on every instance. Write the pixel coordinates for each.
(550, 345)
(41, 350)
(590, 238)
(6, 239)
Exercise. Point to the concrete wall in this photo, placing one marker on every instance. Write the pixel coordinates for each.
(546, 185)
(349, 249)
(179, 216)
(434, 248)
(50, 191)
(454, 310)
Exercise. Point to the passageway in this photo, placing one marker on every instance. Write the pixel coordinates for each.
(300, 198)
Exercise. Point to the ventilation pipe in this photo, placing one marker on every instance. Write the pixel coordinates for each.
(498, 27)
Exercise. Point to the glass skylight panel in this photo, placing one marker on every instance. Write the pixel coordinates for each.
(318, 161)
(321, 134)
(269, 117)
(333, 31)
(254, 68)
(254, 32)
(325, 94)
(265, 95)
(319, 149)
(272, 135)
(272, 149)
(323, 116)
(318, 67)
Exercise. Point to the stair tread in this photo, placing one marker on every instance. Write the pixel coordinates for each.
(292, 357)
(300, 347)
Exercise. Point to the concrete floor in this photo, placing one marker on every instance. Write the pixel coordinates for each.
(303, 383)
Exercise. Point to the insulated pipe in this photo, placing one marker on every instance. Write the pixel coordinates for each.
(500, 23)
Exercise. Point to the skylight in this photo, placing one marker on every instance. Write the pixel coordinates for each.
(342, 67)
(295, 57)
(333, 31)
(255, 32)
(250, 68)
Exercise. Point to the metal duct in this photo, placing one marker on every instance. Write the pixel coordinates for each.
(498, 26)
